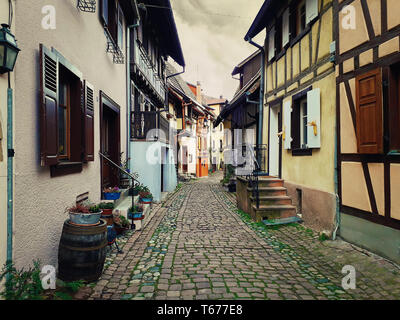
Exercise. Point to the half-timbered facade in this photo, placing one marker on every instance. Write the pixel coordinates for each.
(299, 112)
(368, 131)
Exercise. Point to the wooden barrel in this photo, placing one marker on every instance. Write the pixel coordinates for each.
(82, 252)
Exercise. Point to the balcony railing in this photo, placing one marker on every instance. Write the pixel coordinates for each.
(147, 69)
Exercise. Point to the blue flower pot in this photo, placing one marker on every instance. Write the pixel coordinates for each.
(146, 200)
(112, 195)
(135, 215)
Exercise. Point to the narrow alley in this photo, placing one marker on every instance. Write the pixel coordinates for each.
(198, 246)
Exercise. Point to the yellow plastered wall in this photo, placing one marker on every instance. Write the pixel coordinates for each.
(316, 171)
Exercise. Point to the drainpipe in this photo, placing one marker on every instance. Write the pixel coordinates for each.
(336, 190)
(128, 88)
(10, 170)
(261, 102)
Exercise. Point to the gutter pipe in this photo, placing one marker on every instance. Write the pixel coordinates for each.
(128, 87)
(10, 170)
(261, 102)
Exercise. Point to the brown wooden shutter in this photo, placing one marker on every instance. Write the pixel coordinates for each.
(88, 131)
(369, 112)
(48, 107)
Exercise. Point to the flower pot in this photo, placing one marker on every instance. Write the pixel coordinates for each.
(112, 195)
(135, 215)
(146, 200)
(85, 219)
(133, 192)
(108, 216)
(107, 212)
(119, 230)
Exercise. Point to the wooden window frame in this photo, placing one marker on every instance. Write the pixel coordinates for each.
(296, 147)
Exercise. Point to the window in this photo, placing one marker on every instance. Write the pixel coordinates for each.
(278, 36)
(66, 113)
(120, 28)
(300, 17)
(394, 109)
(112, 18)
(302, 122)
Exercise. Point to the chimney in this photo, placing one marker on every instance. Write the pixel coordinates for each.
(198, 92)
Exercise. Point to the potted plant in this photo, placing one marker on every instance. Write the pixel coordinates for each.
(145, 195)
(86, 214)
(112, 193)
(135, 190)
(107, 215)
(121, 224)
(136, 213)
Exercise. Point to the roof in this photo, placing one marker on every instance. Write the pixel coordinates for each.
(163, 16)
(263, 17)
(240, 97)
(177, 82)
(249, 58)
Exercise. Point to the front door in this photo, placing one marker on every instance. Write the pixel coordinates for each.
(185, 159)
(275, 127)
(110, 144)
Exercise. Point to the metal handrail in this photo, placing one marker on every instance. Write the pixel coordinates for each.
(133, 177)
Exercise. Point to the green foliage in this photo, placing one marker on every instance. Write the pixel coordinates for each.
(229, 171)
(323, 237)
(74, 286)
(106, 205)
(60, 295)
(21, 284)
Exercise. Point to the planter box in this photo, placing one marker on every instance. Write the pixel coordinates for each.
(112, 195)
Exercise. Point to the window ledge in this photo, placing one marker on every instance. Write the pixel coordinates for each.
(301, 152)
(65, 168)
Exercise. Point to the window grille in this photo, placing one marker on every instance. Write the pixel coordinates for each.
(87, 5)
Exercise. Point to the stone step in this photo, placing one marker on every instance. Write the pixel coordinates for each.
(273, 200)
(270, 191)
(270, 182)
(274, 212)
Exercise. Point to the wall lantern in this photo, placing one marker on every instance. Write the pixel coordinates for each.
(8, 50)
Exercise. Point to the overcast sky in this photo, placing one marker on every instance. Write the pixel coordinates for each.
(212, 37)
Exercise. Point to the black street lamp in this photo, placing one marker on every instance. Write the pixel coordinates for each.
(8, 50)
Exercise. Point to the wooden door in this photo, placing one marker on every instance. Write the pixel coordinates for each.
(185, 159)
(110, 145)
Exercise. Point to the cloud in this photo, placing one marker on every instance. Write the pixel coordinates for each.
(212, 37)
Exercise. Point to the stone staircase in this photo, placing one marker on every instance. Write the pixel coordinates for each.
(274, 202)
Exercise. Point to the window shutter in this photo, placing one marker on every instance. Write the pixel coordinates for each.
(104, 11)
(89, 122)
(311, 10)
(314, 117)
(287, 118)
(271, 44)
(285, 27)
(369, 112)
(48, 107)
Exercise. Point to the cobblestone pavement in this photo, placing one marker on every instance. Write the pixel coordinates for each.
(199, 246)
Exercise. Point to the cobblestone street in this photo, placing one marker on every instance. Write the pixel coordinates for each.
(198, 246)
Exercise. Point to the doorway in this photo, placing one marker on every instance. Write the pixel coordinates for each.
(109, 141)
(185, 159)
(275, 140)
